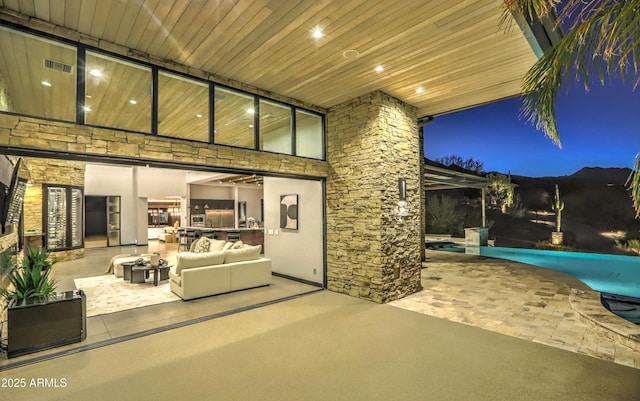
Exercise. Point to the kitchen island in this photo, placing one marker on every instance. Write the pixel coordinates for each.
(250, 236)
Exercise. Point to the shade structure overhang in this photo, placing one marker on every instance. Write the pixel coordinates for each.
(439, 177)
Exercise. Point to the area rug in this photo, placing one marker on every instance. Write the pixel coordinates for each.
(108, 294)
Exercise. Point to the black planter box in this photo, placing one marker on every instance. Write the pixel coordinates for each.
(39, 323)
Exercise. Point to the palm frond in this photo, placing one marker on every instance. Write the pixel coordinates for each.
(633, 184)
(603, 39)
(604, 42)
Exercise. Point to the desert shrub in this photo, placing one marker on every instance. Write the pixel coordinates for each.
(548, 246)
(517, 209)
(444, 216)
(628, 247)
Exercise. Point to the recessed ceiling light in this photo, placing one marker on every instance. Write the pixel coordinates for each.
(86, 108)
(250, 125)
(379, 68)
(95, 73)
(419, 90)
(46, 83)
(250, 111)
(133, 101)
(317, 33)
(351, 53)
(88, 96)
(199, 115)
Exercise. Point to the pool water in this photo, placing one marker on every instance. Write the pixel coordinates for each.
(625, 307)
(612, 274)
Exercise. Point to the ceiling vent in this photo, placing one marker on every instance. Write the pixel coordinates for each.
(58, 66)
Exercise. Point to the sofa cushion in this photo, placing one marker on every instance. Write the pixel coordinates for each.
(176, 278)
(248, 252)
(238, 245)
(216, 245)
(188, 260)
(202, 245)
(193, 244)
(227, 245)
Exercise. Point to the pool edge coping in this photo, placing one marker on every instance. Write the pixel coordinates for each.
(590, 311)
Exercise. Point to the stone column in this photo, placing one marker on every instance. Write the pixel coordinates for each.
(372, 252)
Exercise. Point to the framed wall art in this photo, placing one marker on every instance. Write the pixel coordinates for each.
(289, 212)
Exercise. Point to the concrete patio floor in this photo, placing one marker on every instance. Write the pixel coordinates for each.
(523, 301)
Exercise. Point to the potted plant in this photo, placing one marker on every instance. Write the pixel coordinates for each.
(38, 317)
(30, 278)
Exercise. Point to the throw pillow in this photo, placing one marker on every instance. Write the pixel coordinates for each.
(193, 244)
(202, 245)
(238, 245)
(216, 245)
(227, 245)
(249, 252)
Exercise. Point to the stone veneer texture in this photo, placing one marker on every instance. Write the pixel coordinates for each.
(371, 252)
(48, 171)
(67, 138)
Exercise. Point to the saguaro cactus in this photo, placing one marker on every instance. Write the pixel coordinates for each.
(558, 207)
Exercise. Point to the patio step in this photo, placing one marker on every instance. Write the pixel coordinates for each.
(590, 310)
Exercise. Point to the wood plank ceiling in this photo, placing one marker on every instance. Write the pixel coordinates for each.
(454, 50)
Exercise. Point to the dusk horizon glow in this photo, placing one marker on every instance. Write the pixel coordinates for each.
(598, 128)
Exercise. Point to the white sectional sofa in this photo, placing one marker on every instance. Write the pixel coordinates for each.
(200, 274)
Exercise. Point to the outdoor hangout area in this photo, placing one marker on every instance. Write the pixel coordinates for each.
(318, 200)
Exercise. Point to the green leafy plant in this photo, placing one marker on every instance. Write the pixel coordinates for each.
(444, 216)
(602, 43)
(31, 278)
(629, 247)
(500, 191)
(548, 246)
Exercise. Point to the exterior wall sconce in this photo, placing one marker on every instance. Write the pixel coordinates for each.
(403, 208)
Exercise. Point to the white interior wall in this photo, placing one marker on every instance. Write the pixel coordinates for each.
(252, 196)
(284, 247)
(160, 182)
(103, 180)
(210, 192)
(156, 182)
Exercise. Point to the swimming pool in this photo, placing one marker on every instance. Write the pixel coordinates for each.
(614, 274)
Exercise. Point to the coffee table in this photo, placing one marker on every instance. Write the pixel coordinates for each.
(140, 273)
(126, 270)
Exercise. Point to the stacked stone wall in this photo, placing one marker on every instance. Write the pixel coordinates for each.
(31, 133)
(373, 253)
(48, 171)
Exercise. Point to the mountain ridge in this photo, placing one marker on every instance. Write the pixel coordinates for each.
(615, 175)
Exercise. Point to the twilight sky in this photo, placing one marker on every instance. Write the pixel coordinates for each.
(600, 128)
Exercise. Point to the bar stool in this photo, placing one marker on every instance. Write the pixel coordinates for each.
(191, 236)
(233, 236)
(184, 239)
